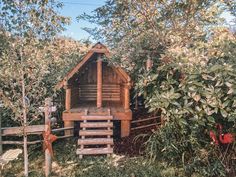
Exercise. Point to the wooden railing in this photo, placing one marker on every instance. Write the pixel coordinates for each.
(145, 123)
(88, 92)
(33, 129)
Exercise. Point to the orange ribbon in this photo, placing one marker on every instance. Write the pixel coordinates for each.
(48, 140)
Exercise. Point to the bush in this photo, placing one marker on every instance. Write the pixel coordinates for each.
(194, 98)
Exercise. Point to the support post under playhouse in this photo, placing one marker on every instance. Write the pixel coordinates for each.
(68, 107)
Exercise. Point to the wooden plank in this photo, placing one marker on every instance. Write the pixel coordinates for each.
(96, 117)
(95, 89)
(146, 119)
(105, 99)
(61, 129)
(20, 142)
(104, 85)
(96, 124)
(99, 50)
(145, 126)
(19, 130)
(94, 141)
(76, 116)
(93, 151)
(65, 136)
(95, 132)
(104, 94)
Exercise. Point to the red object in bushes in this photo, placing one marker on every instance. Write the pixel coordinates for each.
(213, 137)
(224, 138)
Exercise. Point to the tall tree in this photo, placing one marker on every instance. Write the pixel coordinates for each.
(27, 27)
(140, 28)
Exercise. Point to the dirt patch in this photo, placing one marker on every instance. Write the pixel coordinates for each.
(134, 145)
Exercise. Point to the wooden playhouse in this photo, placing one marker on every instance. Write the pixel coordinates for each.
(96, 94)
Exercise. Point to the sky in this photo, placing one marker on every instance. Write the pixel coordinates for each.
(74, 8)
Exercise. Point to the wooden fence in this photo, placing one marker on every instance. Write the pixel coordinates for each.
(145, 123)
(33, 129)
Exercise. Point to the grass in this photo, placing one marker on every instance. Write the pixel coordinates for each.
(66, 163)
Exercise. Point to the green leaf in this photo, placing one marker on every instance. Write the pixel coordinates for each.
(211, 119)
(223, 113)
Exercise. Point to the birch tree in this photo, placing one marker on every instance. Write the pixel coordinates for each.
(27, 26)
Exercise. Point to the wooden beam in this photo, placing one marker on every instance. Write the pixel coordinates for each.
(76, 116)
(102, 50)
(99, 82)
(127, 97)
(68, 98)
(69, 124)
(33, 129)
(125, 128)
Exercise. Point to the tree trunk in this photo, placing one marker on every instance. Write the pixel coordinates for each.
(0, 135)
(26, 162)
(48, 158)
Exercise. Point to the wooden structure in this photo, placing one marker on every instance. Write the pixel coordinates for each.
(96, 90)
(96, 94)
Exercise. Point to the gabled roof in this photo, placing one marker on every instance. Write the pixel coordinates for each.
(97, 48)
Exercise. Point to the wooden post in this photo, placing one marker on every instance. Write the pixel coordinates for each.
(125, 128)
(48, 158)
(99, 82)
(1, 134)
(125, 124)
(1, 149)
(68, 98)
(24, 110)
(69, 124)
(68, 107)
(136, 101)
(127, 97)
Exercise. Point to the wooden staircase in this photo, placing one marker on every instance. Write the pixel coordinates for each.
(95, 135)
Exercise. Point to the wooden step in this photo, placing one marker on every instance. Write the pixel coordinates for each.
(97, 117)
(104, 99)
(95, 89)
(95, 132)
(104, 93)
(90, 151)
(103, 96)
(94, 141)
(96, 125)
(95, 85)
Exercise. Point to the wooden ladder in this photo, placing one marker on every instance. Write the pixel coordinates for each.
(95, 135)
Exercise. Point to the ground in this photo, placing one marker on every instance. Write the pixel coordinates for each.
(128, 160)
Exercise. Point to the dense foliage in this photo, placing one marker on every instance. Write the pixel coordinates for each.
(192, 80)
